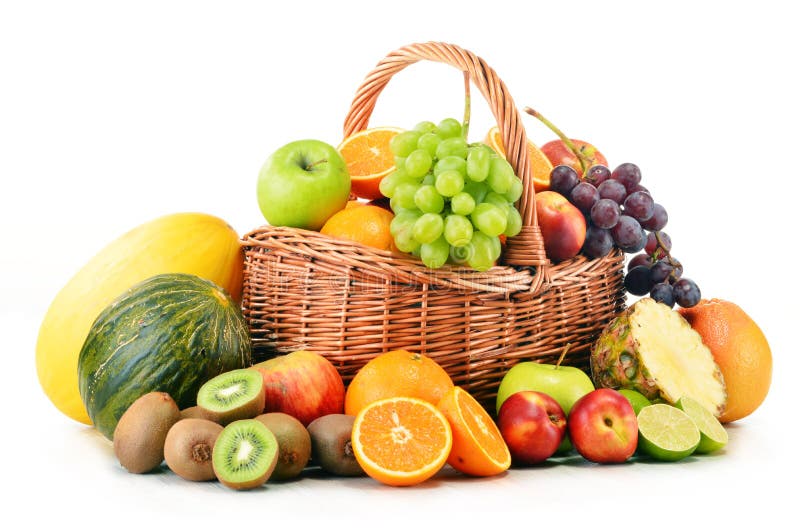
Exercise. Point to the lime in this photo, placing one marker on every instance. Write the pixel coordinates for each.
(637, 400)
(667, 433)
(713, 436)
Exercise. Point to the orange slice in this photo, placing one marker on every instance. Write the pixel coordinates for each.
(401, 441)
(478, 446)
(540, 164)
(368, 159)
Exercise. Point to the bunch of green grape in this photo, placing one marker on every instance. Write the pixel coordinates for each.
(451, 200)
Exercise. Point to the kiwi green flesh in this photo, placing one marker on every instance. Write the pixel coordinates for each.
(189, 446)
(331, 446)
(142, 430)
(234, 395)
(294, 444)
(245, 454)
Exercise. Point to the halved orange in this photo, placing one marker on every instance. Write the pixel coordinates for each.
(401, 441)
(478, 446)
(540, 164)
(369, 159)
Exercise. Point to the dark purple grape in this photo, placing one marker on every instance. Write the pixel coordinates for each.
(628, 174)
(613, 190)
(584, 195)
(637, 247)
(605, 213)
(628, 234)
(637, 281)
(686, 293)
(598, 242)
(677, 269)
(658, 243)
(639, 205)
(563, 179)
(658, 221)
(639, 260)
(660, 271)
(639, 188)
(597, 174)
(663, 294)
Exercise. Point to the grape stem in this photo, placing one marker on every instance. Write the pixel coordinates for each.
(467, 107)
(583, 157)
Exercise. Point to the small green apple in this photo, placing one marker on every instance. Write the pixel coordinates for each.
(302, 184)
(565, 384)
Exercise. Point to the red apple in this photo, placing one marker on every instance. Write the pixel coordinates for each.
(558, 153)
(562, 223)
(602, 426)
(533, 425)
(302, 384)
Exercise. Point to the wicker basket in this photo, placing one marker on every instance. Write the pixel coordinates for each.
(304, 290)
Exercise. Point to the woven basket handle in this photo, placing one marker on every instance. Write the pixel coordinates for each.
(527, 248)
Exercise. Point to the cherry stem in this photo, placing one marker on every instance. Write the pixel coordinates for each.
(563, 354)
(467, 107)
(585, 161)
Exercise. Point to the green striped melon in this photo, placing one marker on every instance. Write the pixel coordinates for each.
(170, 333)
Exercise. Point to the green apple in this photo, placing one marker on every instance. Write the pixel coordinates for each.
(302, 184)
(565, 384)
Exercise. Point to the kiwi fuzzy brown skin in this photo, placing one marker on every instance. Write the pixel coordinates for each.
(188, 448)
(142, 430)
(294, 444)
(249, 410)
(331, 446)
(195, 412)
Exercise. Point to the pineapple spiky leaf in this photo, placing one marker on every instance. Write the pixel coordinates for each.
(652, 349)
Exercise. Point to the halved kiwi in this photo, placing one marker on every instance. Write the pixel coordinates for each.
(189, 446)
(233, 395)
(294, 444)
(140, 434)
(245, 454)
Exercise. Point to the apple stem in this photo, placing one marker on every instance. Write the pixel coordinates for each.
(467, 107)
(563, 354)
(583, 158)
(309, 166)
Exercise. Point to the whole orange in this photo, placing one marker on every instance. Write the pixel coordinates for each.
(365, 224)
(740, 350)
(396, 374)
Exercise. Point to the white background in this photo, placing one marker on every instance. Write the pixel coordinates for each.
(113, 114)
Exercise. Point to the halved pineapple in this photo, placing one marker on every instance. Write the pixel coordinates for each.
(651, 348)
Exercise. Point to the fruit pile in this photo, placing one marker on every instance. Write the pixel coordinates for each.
(153, 350)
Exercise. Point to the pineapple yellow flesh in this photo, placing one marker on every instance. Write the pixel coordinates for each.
(676, 357)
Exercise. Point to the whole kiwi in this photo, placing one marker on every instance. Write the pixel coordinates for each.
(294, 444)
(142, 429)
(188, 448)
(331, 446)
(196, 412)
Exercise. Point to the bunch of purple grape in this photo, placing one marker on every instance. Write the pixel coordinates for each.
(620, 212)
